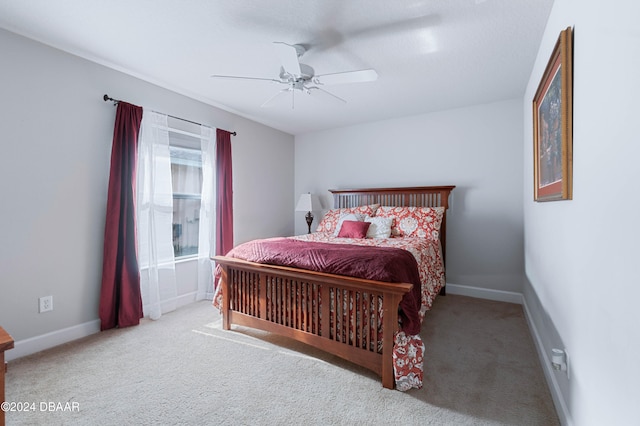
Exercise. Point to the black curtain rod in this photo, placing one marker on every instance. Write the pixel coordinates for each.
(115, 101)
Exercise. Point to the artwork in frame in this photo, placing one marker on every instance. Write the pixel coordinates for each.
(552, 125)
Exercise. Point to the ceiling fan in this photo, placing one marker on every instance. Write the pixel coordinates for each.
(300, 77)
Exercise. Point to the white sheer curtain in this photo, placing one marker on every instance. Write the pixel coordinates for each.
(206, 241)
(154, 212)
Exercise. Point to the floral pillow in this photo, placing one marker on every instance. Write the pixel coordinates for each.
(421, 222)
(329, 222)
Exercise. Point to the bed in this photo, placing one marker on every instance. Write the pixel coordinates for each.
(370, 322)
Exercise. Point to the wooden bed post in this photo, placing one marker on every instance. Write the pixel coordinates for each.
(226, 297)
(390, 327)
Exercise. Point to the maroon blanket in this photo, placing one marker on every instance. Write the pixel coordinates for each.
(386, 264)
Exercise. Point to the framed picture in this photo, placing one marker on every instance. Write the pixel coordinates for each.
(552, 125)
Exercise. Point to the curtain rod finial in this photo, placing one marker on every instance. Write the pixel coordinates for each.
(108, 98)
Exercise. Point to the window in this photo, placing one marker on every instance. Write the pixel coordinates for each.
(186, 176)
(175, 195)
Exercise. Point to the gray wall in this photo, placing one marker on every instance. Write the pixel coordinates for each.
(56, 135)
(477, 148)
(581, 255)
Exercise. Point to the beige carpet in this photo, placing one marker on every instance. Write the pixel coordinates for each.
(481, 369)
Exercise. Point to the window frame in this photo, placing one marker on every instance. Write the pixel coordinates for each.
(189, 141)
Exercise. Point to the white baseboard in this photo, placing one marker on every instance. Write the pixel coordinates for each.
(55, 338)
(186, 299)
(485, 293)
(552, 383)
(46, 341)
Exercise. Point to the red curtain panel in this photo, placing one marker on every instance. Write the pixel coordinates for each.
(120, 299)
(224, 193)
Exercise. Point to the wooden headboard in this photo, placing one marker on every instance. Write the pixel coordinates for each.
(417, 196)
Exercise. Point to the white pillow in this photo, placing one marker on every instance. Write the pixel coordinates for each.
(380, 227)
(358, 217)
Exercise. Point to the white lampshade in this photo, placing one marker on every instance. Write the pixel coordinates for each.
(308, 203)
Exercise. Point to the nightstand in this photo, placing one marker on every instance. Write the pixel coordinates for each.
(6, 343)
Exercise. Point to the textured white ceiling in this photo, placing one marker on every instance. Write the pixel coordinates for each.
(430, 55)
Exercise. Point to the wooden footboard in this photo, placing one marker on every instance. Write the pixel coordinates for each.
(340, 315)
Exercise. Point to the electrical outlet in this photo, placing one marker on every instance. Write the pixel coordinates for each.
(46, 304)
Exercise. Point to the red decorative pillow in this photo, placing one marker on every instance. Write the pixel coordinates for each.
(358, 217)
(353, 229)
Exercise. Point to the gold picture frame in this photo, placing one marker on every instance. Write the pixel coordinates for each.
(553, 126)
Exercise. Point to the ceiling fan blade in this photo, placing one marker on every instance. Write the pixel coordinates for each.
(321, 94)
(288, 55)
(277, 98)
(236, 77)
(361, 76)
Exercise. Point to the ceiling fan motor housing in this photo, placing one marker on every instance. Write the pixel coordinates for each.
(306, 74)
